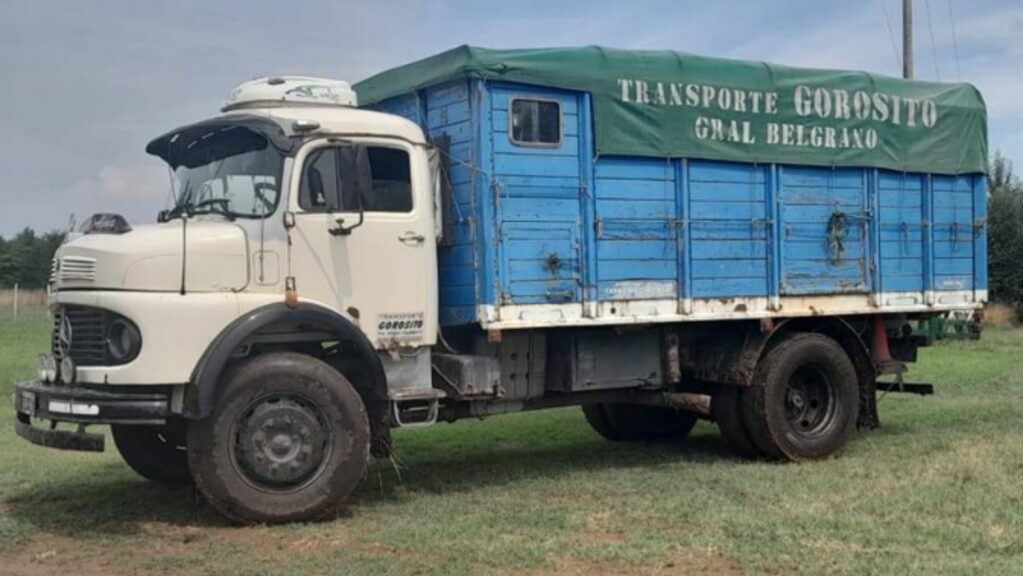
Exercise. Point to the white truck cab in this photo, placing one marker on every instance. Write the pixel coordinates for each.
(249, 224)
(295, 213)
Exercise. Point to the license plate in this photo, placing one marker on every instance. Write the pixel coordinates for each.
(28, 403)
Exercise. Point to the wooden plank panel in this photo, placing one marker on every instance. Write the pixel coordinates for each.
(720, 268)
(625, 189)
(729, 287)
(561, 166)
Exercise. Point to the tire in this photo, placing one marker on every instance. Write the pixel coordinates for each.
(597, 419)
(726, 410)
(288, 441)
(157, 453)
(634, 422)
(805, 399)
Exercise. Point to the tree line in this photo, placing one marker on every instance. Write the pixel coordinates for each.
(1005, 234)
(25, 259)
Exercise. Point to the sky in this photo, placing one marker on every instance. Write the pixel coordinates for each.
(84, 85)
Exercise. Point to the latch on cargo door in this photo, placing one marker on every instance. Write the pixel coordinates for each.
(836, 233)
(553, 264)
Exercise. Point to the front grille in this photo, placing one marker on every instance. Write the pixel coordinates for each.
(88, 334)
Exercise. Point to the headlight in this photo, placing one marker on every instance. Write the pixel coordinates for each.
(46, 367)
(123, 340)
(67, 371)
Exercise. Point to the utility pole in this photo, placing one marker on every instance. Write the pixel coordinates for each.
(907, 39)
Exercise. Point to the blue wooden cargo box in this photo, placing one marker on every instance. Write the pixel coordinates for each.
(595, 186)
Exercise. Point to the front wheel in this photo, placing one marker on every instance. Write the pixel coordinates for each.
(288, 441)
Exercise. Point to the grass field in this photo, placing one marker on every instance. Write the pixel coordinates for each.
(937, 490)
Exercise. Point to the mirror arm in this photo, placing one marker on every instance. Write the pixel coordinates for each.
(342, 230)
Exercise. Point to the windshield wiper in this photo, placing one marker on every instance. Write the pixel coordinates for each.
(181, 207)
(215, 206)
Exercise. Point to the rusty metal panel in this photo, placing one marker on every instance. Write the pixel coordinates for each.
(604, 360)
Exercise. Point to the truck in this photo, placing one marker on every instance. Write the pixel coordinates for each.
(654, 236)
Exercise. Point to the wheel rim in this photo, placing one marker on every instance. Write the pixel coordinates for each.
(281, 443)
(810, 402)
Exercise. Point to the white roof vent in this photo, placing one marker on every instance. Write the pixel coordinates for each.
(287, 90)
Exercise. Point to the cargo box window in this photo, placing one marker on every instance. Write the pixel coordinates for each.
(347, 178)
(535, 122)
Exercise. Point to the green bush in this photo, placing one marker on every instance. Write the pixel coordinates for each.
(1005, 233)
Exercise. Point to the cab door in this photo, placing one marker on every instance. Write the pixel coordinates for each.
(363, 236)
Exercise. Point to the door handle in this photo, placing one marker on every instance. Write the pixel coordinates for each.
(411, 238)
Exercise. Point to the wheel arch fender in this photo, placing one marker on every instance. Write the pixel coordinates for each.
(202, 394)
(837, 328)
(730, 356)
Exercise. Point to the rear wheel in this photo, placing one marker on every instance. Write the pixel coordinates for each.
(288, 441)
(726, 410)
(157, 453)
(805, 400)
(633, 422)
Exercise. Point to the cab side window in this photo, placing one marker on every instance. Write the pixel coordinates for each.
(350, 178)
(391, 181)
(320, 188)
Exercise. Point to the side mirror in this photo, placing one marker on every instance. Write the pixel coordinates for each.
(356, 179)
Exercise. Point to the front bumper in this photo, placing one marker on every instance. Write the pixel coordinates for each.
(82, 406)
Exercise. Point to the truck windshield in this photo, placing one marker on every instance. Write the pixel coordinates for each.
(244, 184)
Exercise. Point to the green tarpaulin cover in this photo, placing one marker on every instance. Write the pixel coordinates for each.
(672, 104)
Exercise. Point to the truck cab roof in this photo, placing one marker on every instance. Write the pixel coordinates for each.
(341, 121)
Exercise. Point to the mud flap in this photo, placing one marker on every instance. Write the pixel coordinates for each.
(868, 418)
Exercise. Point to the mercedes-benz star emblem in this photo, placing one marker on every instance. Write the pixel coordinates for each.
(63, 342)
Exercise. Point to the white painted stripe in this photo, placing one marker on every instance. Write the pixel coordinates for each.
(709, 309)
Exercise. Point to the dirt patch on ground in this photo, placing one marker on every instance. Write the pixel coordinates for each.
(51, 555)
(687, 563)
(601, 530)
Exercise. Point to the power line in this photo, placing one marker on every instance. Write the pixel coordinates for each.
(891, 34)
(955, 41)
(934, 50)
